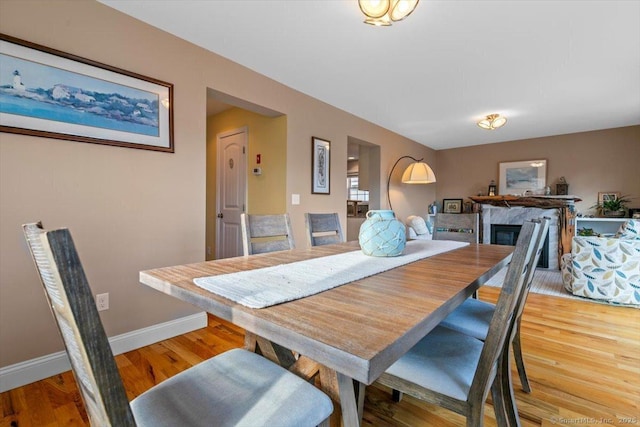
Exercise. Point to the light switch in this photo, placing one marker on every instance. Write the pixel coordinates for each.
(295, 199)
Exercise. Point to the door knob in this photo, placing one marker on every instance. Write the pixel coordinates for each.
(220, 215)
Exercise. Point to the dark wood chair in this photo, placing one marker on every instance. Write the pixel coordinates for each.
(473, 317)
(456, 371)
(323, 228)
(458, 227)
(232, 389)
(266, 233)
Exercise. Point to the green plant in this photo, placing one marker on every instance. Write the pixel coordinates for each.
(613, 204)
(587, 232)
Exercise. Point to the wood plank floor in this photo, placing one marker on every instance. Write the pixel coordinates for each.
(583, 361)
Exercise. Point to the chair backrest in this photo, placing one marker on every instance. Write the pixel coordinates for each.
(538, 247)
(503, 319)
(266, 233)
(458, 227)
(76, 315)
(323, 228)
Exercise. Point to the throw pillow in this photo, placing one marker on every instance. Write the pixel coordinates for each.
(418, 224)
(629, 230)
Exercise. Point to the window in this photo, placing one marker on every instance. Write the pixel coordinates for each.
(352, 190)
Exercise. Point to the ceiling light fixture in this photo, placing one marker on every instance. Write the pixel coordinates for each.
(492, 122)
(382, 13)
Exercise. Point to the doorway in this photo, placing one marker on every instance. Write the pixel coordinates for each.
(265, 147)
(363, 183)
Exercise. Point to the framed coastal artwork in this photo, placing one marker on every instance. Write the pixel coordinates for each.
(320, 166)
(516, 178)
(48, 93)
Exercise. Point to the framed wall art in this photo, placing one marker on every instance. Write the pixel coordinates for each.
(48, 93)
(516, 178)
(452, 205)
(320, 166)
(605, 196)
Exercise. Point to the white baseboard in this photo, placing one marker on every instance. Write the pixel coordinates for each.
(43, 367)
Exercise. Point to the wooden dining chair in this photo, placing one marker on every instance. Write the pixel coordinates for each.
(266, 233)
(323, 228)
(458, 227)
(473, 316)
(456, 371)
(235, 388)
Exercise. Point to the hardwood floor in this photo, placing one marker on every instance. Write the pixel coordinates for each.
(583, 361)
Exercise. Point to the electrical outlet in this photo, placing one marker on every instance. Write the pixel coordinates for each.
(102, 302)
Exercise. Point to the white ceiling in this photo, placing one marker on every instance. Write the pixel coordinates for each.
(550, 66)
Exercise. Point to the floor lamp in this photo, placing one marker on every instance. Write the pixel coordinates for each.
(417, 172)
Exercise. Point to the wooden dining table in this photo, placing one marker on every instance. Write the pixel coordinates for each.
(349, 334)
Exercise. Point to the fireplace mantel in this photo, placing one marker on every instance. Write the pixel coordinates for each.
(564, 204)
(528, 201)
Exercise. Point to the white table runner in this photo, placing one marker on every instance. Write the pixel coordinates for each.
(268, 286)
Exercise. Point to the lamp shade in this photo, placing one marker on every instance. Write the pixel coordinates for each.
(418, 173)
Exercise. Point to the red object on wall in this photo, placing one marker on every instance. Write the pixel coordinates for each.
(258, 158)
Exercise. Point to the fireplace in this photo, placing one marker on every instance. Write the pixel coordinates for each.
(517, 215)
(507, 234)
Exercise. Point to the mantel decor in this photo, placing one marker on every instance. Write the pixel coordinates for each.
(524, 177)
(48, 93)
(320, 166)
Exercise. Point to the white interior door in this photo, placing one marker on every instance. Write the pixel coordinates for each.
(231, 192)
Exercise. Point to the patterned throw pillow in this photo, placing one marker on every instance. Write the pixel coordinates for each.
(629, 230)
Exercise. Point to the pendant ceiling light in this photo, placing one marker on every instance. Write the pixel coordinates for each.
(492, 122)
(383, 13)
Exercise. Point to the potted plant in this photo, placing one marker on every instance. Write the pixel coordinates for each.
(613, 207)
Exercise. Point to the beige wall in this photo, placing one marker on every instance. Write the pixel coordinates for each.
(266, 136)
(129, 209)
(604, 160)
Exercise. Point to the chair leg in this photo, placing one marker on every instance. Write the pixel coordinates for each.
(497, 396)
(517, 354)
(505, 384)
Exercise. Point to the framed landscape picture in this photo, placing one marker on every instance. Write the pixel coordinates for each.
(49, 93)
(320, 166)
(518, 177)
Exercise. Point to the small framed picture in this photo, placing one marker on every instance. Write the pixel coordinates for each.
(607, 195)
(452, 205)
(320, 166)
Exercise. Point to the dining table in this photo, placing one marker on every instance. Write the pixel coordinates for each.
(345, 337)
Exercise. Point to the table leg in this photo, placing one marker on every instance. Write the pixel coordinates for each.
(348, 407)
(272, 351)
(340, 389)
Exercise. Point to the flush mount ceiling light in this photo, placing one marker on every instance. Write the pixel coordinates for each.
(382, 13)
(492, 122)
